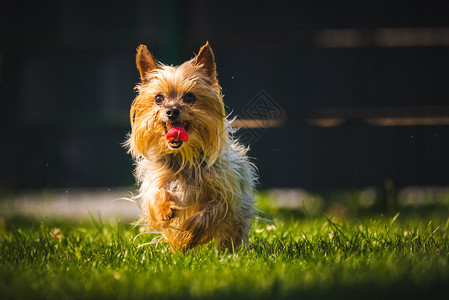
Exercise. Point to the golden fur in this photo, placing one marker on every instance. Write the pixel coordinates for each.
(204, 189)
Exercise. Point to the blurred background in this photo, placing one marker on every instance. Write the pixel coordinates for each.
(353, 95)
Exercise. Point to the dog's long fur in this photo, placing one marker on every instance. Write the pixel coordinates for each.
(204, 189)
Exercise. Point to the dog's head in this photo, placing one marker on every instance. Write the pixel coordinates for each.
(178, 111)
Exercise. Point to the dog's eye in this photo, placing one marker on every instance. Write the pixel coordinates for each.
(189, 98)
(158, 99)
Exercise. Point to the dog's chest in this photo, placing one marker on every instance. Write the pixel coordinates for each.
(190, 187)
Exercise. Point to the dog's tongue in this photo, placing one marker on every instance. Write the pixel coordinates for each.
(177, 134)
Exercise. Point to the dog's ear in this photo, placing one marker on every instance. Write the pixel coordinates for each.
(145, 61)
(206, 59)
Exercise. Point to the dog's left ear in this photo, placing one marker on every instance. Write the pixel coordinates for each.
(206, 59)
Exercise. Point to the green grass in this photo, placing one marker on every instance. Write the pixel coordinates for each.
(309, 258)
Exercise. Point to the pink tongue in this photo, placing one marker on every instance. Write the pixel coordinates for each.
(177, 133)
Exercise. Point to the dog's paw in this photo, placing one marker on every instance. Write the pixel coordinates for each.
(166, 208)
(167, 211)
(170, 213)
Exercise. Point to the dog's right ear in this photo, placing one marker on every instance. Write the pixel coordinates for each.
(145, 61)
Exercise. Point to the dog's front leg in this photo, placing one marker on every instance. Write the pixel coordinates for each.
(202, 226)
(165, 205)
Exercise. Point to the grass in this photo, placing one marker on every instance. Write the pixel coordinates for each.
(317, 257)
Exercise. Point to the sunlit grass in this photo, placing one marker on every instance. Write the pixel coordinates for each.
(395, 257)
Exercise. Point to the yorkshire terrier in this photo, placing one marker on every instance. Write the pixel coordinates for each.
(195, 180)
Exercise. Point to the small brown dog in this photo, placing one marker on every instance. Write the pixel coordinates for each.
(196, 183)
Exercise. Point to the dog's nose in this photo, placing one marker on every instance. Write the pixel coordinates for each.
(172, 113)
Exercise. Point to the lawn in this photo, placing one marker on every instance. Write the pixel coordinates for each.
(309, 257)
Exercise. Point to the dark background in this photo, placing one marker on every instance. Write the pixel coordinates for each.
(67, 73)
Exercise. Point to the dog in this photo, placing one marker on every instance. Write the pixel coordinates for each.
(196, 183)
